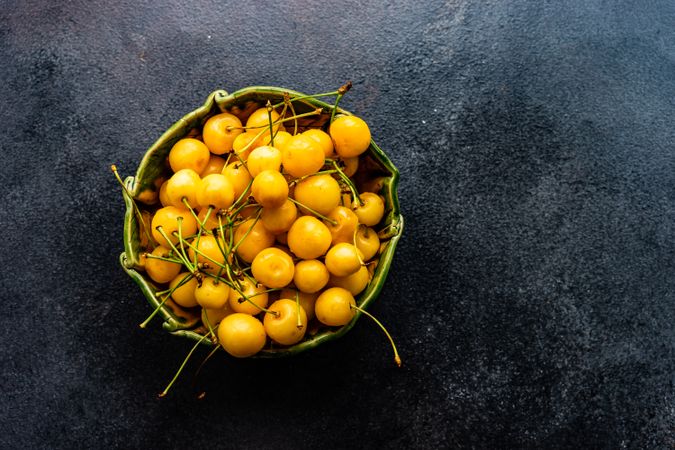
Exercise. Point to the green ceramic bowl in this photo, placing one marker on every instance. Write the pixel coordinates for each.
(377, 173)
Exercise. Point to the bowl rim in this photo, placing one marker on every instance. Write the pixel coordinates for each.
(179, 325)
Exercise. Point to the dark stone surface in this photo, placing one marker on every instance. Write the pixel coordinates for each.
(533, 294)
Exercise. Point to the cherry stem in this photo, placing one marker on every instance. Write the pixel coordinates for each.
(182, 243)
(397, 358)
(341, 92)
(356, 231)
(166, 297)
(295, 121)
(192, 211)
(182, 366)
(350, 184)
(304, 177)
(269, 116)
(134, 206)
(302, 97)
(198, 252)
(248, 299)
(202, 394)
(161, 258)
(297, 309)
(173, 247)
(257, 217)
(331, 221)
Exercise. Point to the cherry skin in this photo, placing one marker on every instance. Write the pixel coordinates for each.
(167, 219)
(367, 241)
(270, 189)
(238, 176)
(242, 144)
(163, 199)
(211, 222)
(215, 316)
(260, 119)
(273, 267)
(159, 270)
(215, 190)
(207, 252)
(257, 239)
(263, 158)
(318, 192)
(280, 140)
(220, 131)
(346, 223)
(311, 275)
(305, 299)
(308, 238)
(241, 335)
(284, 326)
(279, 220)
(372, 210)
(354, 283)
(212, 294)
(185, 294)
(215, 165)
(257, 295)
(183, 184)
(323, 139)
(351, 165)
(189, 153)
(333, 308)
(351, 136)
(302, 156)
(343, 259)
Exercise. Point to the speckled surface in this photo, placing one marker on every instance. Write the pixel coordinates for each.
(533, 293)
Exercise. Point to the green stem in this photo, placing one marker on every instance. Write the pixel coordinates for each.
(302, 97)
(173, 247)
(397, 358)
(166, 297)
(180, 369)
(257, 217)
(349, 183)
(269, 116)
(331, 221)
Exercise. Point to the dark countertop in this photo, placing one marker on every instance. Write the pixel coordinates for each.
(532, 295)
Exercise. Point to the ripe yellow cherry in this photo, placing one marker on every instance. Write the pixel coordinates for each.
(310, 276)
(273, 268)
(323, 140)
(305, 299)
(255, 293)
(333, 307)
(372, 210)
(215, 165)
(215, 316)
(189, 153)
(183, 184)
(288, 325)
(220, 131)
(212, 294)
(211, 222)
(215, 190)
(163, 199)
(346, 223)
(343, 259)
(351, 136)
(167, 219)
(354, 283)
(184, 295)
(241, 335)
(279, 220)
(258, 239)
(351, 165)
(280, 139)
(242, 144)
(367, 241)
(319, 192)
(260, 119)
(302, 156)
(208, 252)
(238, 176)
(161, 271)
(308, 238)
(270, 189)
(263, 158)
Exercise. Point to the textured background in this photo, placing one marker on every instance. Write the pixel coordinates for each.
(533, 293)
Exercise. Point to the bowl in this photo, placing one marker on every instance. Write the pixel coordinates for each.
(376, 172)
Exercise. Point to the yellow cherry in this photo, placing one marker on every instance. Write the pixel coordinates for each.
(354, 283)
(183, 185)
(351, 136)
(163, 199)
(238, 176)
(351, 165)
(215, 165)
(208, 252)
(263, 158)
(212, 294)
(343, 259)
(367, 241)
(273, 268)
(189, 153)
(220, 131)
(279, 220)
(318, 192)
(184, 295)
(308, 238)
(372, 210)
(241, 335)
(255, 293)
(167, 218)
(288, 325)
(302, 156)
(270, 189)
(323, 139)
(215, 316)
(242, 144)
(310, 276)
(333, 308)
(345, 224)
(215, 190)
(257, 239)
(159, 270)
(305, 299)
